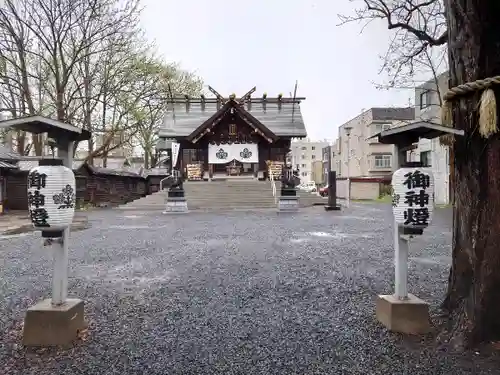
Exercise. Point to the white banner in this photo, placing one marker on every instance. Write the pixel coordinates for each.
(246, 152)
(242, 152)
(175, 153)
(218, 154)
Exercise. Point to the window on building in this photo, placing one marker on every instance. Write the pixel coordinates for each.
(304, 157)
(380, 128)
(302, 166)
(313, 148)
(313, 157)
(425, 158)
(425, 99)
(382, 161)
(304, 174)
(304, 148)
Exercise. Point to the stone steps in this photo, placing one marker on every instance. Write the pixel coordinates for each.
(228, 194)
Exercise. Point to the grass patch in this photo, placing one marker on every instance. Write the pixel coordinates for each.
(384, 199)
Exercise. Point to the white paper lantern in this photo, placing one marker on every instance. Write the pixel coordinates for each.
(51, 197)
(413, 197)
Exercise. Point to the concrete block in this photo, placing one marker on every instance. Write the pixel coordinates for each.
(410, 316)
(288, 204)
(48, 325)
(176, 205)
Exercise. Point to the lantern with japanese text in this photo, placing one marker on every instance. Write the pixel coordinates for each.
(413, 197)
(51, 197)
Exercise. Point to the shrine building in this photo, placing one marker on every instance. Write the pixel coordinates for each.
(231, 136)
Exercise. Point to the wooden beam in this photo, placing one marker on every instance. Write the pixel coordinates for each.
(217, 115)
(219, 96)
(256, 130)
(209, 128)
(247, 117)
(247, 95)
(182, 100)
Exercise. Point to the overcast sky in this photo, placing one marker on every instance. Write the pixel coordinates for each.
(235, 45)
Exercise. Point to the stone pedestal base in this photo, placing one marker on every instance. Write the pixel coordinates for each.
(332, 208)
(47, 325)
(288, 204)
(176, 205)
(409, 316)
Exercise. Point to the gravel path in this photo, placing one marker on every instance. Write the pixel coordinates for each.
(234, 293)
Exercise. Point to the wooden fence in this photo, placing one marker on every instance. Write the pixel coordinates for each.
(94, 186)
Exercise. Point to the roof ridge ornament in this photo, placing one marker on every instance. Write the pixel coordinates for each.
(241, 100)
(219, 96)
(247, 96)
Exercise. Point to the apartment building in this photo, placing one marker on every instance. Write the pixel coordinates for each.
(303, 154)
(429, 151)
(356, 154)
(317, 172)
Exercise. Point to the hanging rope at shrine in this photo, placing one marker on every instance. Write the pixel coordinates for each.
(487, 106)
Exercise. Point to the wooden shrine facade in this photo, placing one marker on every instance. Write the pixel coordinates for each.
(232, 141)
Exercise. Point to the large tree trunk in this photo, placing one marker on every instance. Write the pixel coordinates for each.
(473, 298)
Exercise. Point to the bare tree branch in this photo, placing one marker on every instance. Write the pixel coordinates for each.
(416, 25)
(85, 62)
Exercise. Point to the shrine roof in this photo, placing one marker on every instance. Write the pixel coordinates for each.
(282, 116)
(108, 171)
(5, 165)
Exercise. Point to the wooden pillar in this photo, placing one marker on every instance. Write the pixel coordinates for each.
(180, 160)
(205, 157)
(451, 178)
(3, 183)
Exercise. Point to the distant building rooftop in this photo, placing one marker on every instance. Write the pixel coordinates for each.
(405, 113)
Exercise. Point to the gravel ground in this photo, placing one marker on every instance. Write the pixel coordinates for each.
(234, 293)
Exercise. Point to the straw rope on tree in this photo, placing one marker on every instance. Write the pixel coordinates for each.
(487, 107)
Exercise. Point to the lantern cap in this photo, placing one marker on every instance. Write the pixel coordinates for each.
(40, 124)
(411, 133)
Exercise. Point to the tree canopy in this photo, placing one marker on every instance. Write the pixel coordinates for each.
(86, 63)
